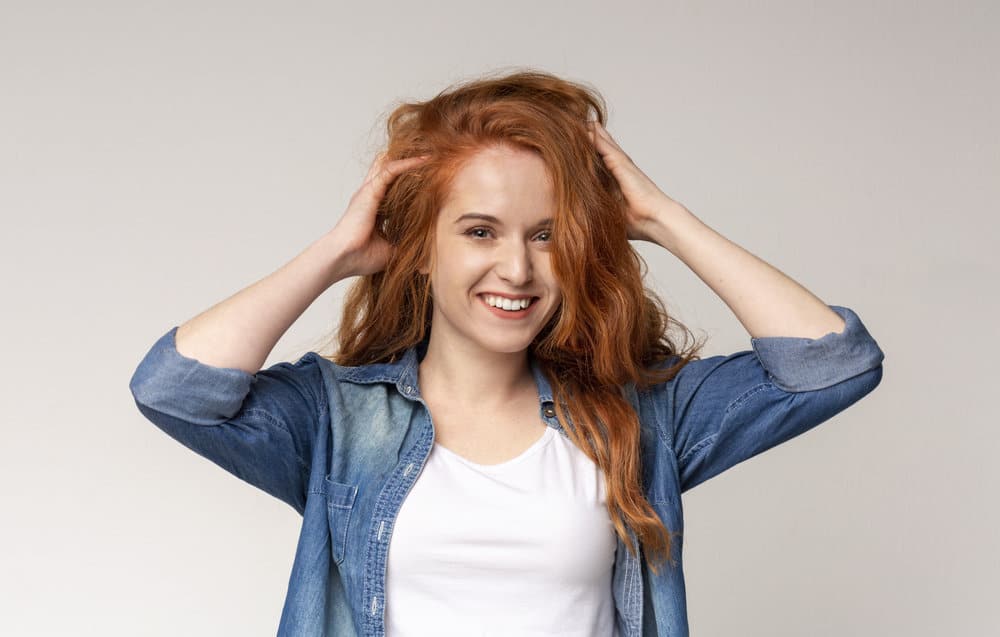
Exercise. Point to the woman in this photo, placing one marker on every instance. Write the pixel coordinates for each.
(500, 443)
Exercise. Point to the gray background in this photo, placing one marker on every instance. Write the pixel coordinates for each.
(156, 157)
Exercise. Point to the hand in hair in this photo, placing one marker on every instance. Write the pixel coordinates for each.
(645, 200)
(364, 250)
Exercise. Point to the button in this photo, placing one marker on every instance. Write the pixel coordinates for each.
(408, 389)
(550, 412)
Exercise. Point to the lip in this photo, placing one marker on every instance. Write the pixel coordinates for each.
(508, 296)
(506, 314)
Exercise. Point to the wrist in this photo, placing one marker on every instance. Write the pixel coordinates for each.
(335, 256)
(668, 224)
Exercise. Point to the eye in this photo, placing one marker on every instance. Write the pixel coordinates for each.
(471, 231)
(547, 234)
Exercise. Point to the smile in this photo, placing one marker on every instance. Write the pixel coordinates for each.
(508, 308)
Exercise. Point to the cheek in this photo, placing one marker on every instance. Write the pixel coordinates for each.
(459, 269)
(544, 272)
(466, 266)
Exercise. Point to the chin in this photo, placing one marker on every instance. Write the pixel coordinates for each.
(507, 345)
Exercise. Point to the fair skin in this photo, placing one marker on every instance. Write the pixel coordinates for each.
(468, 359)
(475, 365)
(476, 362)
(765, 300)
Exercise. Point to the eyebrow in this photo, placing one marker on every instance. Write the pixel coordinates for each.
(492, 219)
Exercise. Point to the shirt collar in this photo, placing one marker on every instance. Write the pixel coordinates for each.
(403, 373)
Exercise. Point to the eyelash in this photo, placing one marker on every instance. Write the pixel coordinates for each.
(471, 230)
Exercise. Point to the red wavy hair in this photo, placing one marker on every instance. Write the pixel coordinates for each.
(610, 330)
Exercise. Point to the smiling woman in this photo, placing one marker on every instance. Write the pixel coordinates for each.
(502, 438)
(515, 201)
(508, 260)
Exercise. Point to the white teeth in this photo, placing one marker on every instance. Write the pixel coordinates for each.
(507, 304)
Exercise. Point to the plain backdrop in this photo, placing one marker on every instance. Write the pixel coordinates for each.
(156, 157)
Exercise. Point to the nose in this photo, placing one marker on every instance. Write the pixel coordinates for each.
(514, 264)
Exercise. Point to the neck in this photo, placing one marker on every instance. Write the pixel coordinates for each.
(464, 374)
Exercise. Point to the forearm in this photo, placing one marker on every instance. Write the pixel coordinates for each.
(241, 331)
(766, 301)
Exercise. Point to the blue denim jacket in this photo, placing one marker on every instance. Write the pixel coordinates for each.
(344, 445)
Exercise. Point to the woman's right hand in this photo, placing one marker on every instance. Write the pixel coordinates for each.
(364, 250)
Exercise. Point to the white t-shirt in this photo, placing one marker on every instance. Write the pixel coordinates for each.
(524, 547)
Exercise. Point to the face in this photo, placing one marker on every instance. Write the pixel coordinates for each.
(493, 246)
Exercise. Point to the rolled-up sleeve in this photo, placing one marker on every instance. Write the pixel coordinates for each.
(804, 364)
(723, 410)
(259, 427)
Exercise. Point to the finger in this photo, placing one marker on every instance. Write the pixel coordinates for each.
(382, 158)
(609, 145)
(603, 132)
(600, 134)
(389, 170)
(374, 167)
(605, 146)
(382, 163)
(392, 168)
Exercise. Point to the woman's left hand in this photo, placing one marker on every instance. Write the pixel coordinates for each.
(646, 202)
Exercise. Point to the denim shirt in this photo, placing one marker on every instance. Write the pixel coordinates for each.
(344, 445)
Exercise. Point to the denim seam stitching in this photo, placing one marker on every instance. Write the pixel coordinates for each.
(342, 534)
(738, 401)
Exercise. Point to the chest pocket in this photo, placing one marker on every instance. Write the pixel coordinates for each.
(339, 503)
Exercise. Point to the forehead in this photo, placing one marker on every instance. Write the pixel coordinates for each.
(500, 176)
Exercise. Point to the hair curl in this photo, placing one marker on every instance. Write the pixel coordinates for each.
(610, 330)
